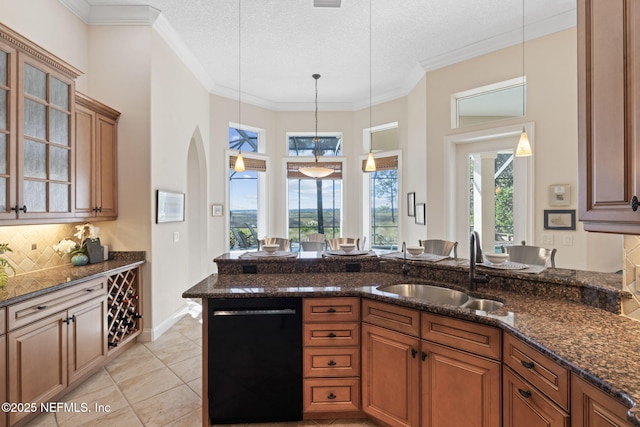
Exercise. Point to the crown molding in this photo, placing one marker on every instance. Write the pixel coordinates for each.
(112, 15)
(532, 31)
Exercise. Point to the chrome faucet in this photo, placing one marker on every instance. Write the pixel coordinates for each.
(405, 267)
(475, 256)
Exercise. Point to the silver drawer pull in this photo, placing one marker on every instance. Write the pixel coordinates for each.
(41, 307)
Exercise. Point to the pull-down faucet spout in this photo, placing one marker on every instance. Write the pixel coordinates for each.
(475, 256)
(405, 267)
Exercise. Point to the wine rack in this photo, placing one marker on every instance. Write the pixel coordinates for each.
(124, 307)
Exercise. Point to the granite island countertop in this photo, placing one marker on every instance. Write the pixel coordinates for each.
(599, 346)
(29, 285)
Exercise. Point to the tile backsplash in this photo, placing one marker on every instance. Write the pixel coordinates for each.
(23, 239)
(631, 307)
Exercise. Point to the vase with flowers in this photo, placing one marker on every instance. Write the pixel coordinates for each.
(78, 249)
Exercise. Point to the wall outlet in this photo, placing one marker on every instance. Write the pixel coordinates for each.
(568, 240)
(176, 236)
(547, 239)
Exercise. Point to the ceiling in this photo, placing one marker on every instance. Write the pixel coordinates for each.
(281, 43)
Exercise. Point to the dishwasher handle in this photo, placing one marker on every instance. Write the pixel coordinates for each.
(258, 312)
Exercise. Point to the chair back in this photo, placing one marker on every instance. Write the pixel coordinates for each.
(335, 243)
(315, 237)
(312, 246)
(532, 255)
(440, 247)
(285, 244)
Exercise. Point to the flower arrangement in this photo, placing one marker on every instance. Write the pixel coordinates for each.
(72, 247)
(4, 263)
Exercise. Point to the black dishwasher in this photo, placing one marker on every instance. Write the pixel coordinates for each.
(255, 360)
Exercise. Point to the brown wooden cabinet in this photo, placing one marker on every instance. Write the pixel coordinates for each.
(331, 356)
(591, 407)
(96, 172)
(54, 340)
(3, 366)
(36, 138)
(608, 114)
(535, 388)
(390, 376)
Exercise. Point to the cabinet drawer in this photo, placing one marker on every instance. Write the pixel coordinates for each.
(37, 308)
(332, 362)
(525, 405)
(331, 395)
(331, 309)
(475, 338)
(542, 372)
(390, 316)
(3, 326)
(332, 334)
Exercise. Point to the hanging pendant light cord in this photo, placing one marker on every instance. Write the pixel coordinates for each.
(523, 75)
(316, 141)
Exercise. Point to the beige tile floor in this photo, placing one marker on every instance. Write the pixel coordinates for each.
(153, 384)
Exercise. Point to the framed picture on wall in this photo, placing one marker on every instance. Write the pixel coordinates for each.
(169, 206)
(420, 213)
(411, 204)
(560, 219)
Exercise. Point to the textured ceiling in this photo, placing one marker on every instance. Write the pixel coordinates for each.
(283, 42)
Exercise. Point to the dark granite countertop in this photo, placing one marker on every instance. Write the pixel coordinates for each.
(599, 346)
(25, 286)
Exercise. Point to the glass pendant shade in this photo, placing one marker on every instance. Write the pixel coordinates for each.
(371, 163)
(238, 166)
(524, 148)
(316, 171)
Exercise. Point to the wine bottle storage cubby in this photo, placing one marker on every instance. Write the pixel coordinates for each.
(124, 306)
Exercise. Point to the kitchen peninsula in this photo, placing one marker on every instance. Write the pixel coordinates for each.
(566, 318)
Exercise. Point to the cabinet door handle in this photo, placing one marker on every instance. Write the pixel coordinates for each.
(414, 352)
(331, 310)
(528, 365)
(424, 356)
(23, 208)
(331, 396)
(332, 363)
(634, 203)
(331, 335)
(526, 394)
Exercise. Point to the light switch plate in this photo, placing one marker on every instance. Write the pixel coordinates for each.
(547, 239)
(176, 236)
(568, 240)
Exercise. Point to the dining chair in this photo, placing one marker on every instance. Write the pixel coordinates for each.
(285, 244)
(310, 246)
(532, 255)
(440, 247)
(335, 243)
(315, 237)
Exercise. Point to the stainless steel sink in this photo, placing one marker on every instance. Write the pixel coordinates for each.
(433, 294)
(484, 305)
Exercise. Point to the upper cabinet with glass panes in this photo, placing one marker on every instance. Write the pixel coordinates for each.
(36, 131)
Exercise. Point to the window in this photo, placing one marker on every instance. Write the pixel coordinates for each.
(384, 208)
(488, 103)
(315, 205)
(245, 214)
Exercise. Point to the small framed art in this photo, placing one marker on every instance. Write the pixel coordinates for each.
(411, 204)
(560, 219)
(169, 206)
(420, 213)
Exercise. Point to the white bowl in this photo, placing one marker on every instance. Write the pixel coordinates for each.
(415, 250)
(496, 258)
(270, 248)
(347, 247)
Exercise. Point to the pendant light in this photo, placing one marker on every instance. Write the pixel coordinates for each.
(524, 147)
(316, 171)
(238, 166)
(371, 162)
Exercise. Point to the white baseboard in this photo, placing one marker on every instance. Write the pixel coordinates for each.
(152, 334)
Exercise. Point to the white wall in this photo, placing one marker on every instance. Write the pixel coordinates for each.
(551, 66)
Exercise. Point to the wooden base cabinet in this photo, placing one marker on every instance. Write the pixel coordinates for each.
(3, 367)
(390, 376)
(525, 406)
(459, 388)
(62, 343)
(591, 407)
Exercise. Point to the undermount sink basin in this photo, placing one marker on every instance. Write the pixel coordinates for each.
(484, 305)
(439, 295)
(433, 294)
